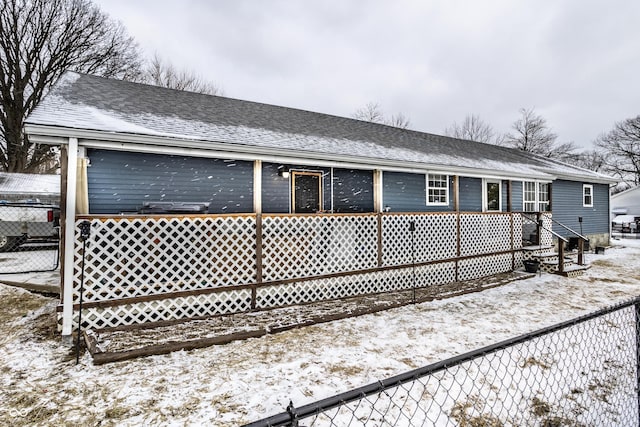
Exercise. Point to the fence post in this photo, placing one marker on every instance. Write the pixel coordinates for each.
(258, 259)
(636, 306)
(580, 251)
(379, 215)
(561, 255)
(412, 229)
(293, 414)
(513, 238)
(458, 244)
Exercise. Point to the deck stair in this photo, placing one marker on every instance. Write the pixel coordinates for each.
(548, 259)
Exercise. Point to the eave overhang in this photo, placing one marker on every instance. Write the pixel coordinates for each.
(55, 135)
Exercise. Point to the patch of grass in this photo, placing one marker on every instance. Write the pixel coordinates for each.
(609, 280)
(539, 407)
(559, 422)
(116, 412)
(604, 263)
(462, 413)
(44, 326)
(532, 361)
(18, 303)
(345, 370)
(409, 362)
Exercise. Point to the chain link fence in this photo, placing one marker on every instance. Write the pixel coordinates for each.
(29, 237)
(584, 372)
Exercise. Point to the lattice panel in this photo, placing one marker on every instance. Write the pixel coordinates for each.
(235, 301)
(434, 238)
(129, 257)
(519, 257)
(484, 233)
(311, 245)
(475, 268)
(517, 230)
(354, 285)
(545, 235)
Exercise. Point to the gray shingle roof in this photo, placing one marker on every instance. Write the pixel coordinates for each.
(87, 102)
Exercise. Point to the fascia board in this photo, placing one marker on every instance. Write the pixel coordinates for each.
(582, 178)
(206, 148)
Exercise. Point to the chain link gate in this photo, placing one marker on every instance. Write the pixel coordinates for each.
(29, 237)
(578, 373)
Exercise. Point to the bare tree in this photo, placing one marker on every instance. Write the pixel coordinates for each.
(40, 40)
(372, 112)
(533, 135)
(475, 129)
(593, 160)
(163, 73)
(399, 121)
(621, 146)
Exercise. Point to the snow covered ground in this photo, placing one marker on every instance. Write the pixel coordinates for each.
(248, 380)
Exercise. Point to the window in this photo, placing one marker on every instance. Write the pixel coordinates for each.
(535, 196)
(306, 192)
(492, 196)
(437, 189)
(543, 197)
(587, 195)
(529, 196)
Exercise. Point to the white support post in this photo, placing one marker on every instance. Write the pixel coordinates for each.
(257, 186)
(377, 190)
(69, 238)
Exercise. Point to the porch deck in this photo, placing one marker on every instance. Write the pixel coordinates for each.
(146, 269)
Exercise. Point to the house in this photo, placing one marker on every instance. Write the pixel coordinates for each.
(625, 213)
(203, 205)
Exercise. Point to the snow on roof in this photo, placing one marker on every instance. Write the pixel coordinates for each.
(87, 102)
(29, 184)
(627, 193)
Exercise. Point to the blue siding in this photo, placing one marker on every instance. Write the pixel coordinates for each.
(276, 190)
(406, 192)
(566, 199)
(516, 196)
(121, 181)
(470, 194)
(352, 190)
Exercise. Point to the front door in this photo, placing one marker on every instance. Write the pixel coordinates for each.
(306, 195)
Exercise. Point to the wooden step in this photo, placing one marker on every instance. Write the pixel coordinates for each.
(574, 270)
(552, 266)
(536, 248)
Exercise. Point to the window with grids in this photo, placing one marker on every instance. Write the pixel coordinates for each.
(543, 197)
(437, 189)
(529, 196)
(587, 195)
(535, 196)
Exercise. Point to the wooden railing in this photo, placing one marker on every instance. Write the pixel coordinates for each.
(539, 220)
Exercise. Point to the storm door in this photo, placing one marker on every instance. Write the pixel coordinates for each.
(492, 196)
(306, 189)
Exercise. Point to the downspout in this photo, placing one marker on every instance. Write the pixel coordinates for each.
(69, 239)
(609, 214)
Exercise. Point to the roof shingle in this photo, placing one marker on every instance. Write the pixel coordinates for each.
(80, 101)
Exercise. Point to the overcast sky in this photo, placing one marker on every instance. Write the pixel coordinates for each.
(576, 62)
